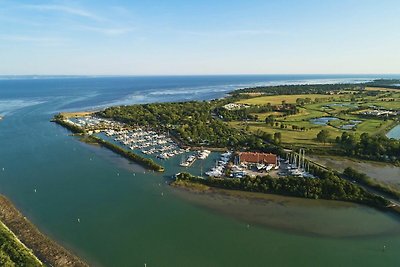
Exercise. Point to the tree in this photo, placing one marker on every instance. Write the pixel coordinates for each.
(323, 136)
(277, 137)
(270, 120)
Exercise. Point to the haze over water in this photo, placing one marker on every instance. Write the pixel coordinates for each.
(124, 218)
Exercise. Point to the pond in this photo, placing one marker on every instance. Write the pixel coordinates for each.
(349, 105)
(322, 120)
(350, 125)
(394, 133)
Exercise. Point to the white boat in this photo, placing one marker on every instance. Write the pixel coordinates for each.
(269, 167)
(260, 166)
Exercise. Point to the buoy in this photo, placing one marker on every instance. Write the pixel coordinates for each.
(3, 169)
(384, 248)
(162, 194)
(34, 190)
(117, 173)
(79, 220)
(248, 226)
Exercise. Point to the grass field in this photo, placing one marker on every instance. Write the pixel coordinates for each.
(276, 100)
(385, 104)
(12, 252)
(333, 107)
(291, 137)
(76, 114)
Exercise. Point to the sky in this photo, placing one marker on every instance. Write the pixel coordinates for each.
(189, 37)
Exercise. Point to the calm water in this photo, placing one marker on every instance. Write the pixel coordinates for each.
(323, 120)
(394, 133)
(124, 218)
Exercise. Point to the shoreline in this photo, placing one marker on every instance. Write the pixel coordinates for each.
(43, 248)
(194, 187)
(249, 195)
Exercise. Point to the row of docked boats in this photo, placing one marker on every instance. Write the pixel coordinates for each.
(220, 165)
(147, 141)
(203, 154)
(92, 123)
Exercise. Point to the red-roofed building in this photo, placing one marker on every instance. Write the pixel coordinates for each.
(255, 157)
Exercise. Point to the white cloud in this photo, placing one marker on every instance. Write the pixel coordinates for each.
(65, 9)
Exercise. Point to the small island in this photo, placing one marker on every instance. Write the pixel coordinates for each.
(268, 133)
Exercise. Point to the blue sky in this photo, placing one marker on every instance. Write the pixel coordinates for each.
(199, 37)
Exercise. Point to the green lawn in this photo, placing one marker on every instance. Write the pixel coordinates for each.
(277, 99)
(291, 137)
(333, 107)
(263, 116)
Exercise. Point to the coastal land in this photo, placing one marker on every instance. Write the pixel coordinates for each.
(13, 252)
(283, 122)
(25, 245)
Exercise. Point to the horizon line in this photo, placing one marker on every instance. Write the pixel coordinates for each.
(172, 75)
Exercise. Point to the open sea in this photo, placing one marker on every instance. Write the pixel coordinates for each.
(130, 217)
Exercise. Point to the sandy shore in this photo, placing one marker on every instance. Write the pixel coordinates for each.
(49, 252)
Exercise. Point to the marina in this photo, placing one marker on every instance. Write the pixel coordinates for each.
(148, 142)
(203, 154)
(131, 211)
(220, 165)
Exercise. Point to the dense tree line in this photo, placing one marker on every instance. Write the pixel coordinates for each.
(387, 83)
(146, 162)
(300, 89)
(329, 187)
(377, 147)
(191, 122)
(362, 178)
